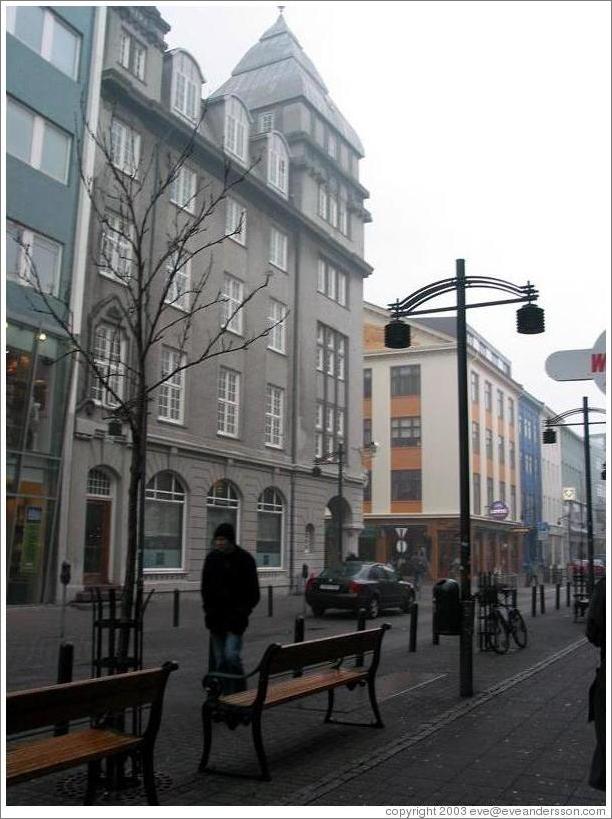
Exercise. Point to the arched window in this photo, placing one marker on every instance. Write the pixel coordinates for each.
(222, 506)
(164, 526)
(98, 483)
(270, 529)
(278, 164)
(186, 86)
(236, 129)
(309, 542)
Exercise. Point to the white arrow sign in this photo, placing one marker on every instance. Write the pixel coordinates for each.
(580, 365)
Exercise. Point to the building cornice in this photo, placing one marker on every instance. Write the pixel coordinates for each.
(114, 83)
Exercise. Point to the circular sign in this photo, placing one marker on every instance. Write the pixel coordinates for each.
(498, 510)
(401, 546)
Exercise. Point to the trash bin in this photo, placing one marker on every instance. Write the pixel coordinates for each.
(447, 607)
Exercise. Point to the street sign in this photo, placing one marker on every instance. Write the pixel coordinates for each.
(401, 546)
(498, 510)
(580, 365)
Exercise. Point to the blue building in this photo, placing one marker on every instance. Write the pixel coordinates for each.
(530, 459)
(52, 81)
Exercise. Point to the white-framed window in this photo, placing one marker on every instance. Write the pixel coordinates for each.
(340, 424)
(183, 189)
(333, 210)
(323, 201)
(236, 129)
(341, 357)
(109, 350)
(278, 164)
(124, 147)
(233, 296)
(164, 523)
(172, 391)
(228, 402)
(275, 400)
(178, 294)
(330, 284)
(37, 142)
(235, 221)
(320, 348)
(332, 146)
(186, 87)
(98, 483)
(319, 429)
(343, 217)
(265, 122)
(133, 55)
(32, 259)
(321, 273)
(278, 248)
(115, 248)
(42, 31)
(341, 289)
(222, 506)
(278, 312)
(269, 550)
(330, 367)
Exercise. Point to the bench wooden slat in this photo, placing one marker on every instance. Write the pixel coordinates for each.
(39, 707)
(57, 753)
(325, 649)
(293, 689)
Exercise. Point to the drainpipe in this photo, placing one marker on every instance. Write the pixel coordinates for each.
(294, 414)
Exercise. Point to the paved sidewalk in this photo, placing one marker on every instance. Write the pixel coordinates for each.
(522, 739)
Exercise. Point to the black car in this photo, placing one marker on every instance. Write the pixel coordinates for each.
(354, 585)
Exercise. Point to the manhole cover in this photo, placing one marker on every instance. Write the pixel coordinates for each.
(74, 787)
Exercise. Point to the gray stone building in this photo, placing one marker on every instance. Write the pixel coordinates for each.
(234, 438)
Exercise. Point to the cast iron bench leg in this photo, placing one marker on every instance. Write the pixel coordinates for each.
(93, 774)
(259, 749)
(330, 705)
(374, 704)
(207, 729)
(148, 776)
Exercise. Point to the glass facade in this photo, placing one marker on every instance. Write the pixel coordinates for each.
(36, 385)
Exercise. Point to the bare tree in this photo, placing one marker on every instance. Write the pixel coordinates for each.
(161, 298)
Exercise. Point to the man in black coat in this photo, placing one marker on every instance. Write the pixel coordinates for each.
(230, 592)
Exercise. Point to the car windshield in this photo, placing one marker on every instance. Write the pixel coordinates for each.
(350, 569)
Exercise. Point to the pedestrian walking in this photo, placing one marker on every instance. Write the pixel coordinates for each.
(419, 567)
(230, 592)
(596, 634)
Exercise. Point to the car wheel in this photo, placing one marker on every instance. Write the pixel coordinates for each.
(373, 607)
(407, 602)
(318, 611)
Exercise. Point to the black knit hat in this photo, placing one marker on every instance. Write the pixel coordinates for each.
(225, 530)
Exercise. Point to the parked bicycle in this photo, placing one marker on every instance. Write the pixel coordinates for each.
(505, 621)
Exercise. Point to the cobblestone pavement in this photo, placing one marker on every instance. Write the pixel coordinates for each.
(522, 739)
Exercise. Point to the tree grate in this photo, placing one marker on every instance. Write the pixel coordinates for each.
(74, 787)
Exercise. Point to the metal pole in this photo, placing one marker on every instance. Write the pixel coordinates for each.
(557, 595)
(298, 637)
(341, 499)
(270, 601)
(361, 624)
(414, 619)
(467, 625)
(589, 498)
(542, 602)
(534, 600)
(176, 608)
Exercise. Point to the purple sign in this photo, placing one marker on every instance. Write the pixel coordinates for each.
(498, 510)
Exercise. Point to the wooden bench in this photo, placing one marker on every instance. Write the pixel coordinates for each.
(99, 699)
(288, 673)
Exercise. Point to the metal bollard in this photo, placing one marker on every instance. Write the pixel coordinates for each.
(361, 624)
(435, 635)
(64, 675)
(176, 608)
(414, 619)
(534, 601)
(542, 601)
(298, 637)
(557, 595)
(270, 601)
(514, 598)
(568, 594)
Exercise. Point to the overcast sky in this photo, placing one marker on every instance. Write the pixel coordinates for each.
(486, 128)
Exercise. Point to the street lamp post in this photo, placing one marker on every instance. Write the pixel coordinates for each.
(335, 457)
(530, 319)
(549, 436)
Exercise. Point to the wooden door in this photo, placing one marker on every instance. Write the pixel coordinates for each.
(97, 542)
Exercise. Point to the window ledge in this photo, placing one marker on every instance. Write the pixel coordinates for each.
(278, 352)
(228, 435)
(171, 422)
(111, 277)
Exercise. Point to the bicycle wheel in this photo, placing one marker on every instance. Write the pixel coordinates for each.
(517, 627)
(498, 638)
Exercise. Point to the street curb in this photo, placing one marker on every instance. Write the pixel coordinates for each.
(313, 792)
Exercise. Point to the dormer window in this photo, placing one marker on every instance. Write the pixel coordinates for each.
(133, 55)
(236, 129)
(186, 87)
(265, 122)
(278, 163)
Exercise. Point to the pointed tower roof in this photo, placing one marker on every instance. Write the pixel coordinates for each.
(276, 69)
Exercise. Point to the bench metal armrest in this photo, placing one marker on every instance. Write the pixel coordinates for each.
(211, 682)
